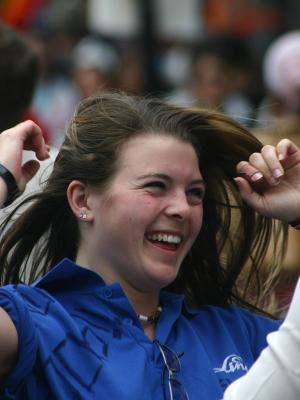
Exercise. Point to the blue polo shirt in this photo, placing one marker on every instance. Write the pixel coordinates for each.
(81, 339)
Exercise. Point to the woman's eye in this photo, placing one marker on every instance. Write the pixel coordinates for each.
(196, 194)
(156, 184)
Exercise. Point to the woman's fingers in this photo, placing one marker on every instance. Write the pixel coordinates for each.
(34, 140)
(30, 136)
(248, 190)
(288, 153)
(270, 156)
(264, 166)
(270, 181)
(26, 135)
(252, 175)
(286, 148)
(248, 171)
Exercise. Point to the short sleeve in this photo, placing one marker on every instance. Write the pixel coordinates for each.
(11, 301)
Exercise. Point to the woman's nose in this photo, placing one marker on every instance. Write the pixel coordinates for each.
(178, 207)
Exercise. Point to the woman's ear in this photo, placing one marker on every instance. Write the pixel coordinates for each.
(77, 194)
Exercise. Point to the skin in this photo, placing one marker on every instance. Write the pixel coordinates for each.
(28, 136)
(158, 189)
(279, 198)
(276, 171)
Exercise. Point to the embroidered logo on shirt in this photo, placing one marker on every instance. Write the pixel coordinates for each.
(232, 363)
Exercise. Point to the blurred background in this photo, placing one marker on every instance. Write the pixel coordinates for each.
(209, 52)
(241, 57)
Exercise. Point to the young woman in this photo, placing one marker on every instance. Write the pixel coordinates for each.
(122, 273)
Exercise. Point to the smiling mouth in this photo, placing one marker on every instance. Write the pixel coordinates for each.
(165, 240)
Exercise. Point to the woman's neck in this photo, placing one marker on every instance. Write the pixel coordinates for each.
(144, 302)
(146, 305)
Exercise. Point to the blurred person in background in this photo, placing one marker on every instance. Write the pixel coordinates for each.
(55, 31)
(175, 65)
(95, 64)
(19, 70)
(131, 76)
(19, 73)
(279, 111)
(219, 76)
(55, 96)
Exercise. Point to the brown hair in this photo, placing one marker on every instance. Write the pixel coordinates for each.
(222, 265)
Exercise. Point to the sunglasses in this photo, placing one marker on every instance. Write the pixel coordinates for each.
(173, 366)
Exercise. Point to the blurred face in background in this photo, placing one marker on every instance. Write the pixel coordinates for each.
(90, 81)
(211, 80)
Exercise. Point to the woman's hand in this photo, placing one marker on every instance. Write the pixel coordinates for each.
(24, 136)
(270, 181)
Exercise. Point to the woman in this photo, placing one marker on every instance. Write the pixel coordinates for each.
(152, 232)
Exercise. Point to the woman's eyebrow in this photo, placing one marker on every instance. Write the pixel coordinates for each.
(154, 175)
(168, 178)
(198, 182)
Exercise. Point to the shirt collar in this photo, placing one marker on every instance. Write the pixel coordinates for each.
(78, 278)
(67, 270)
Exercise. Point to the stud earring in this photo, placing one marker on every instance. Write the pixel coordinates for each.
(82, 214)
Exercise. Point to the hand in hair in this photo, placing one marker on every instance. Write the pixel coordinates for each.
(270, 181)
(24, 136)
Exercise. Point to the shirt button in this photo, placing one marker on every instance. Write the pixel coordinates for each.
(108, 292)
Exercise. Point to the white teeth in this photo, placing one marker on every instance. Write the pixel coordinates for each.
(165, 238)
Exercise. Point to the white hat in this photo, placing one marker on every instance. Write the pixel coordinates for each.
(93, 53)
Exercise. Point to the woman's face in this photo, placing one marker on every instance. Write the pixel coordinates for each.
(148, 218)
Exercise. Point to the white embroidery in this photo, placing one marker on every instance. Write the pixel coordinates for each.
(232, 363)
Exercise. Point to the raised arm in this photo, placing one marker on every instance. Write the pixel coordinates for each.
(270, 183)
(28, 136)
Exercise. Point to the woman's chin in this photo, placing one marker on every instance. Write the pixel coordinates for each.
(163, 277)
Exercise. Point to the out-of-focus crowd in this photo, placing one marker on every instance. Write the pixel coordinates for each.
(244, 62)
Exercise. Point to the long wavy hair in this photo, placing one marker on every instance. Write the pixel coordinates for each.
(223, 265)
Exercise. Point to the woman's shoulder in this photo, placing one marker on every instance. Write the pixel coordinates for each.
(233, 322)
(17, 309)
(231, 315)
(30, 306)
(25, 295)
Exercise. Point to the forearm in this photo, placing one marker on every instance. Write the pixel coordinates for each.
(276, 373)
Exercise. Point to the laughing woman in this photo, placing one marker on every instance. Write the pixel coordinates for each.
(134, 273)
